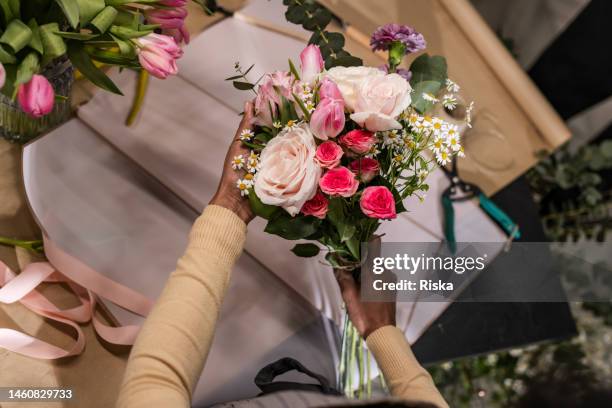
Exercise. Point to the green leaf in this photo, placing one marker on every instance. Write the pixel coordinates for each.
(295, 14)
(82, 61)
(293, 70)
(35, 42)
(426, 68)
(17, 35)
(8, 89)
(53, 45)
(343, 61)
(263, 137)
(354, 245)
(306, 250)
(104, 19)
(8, 12)
(302, 107)
(6, 56)
(128, 19)
(71, 11)
(88, 9)
(126, 33)
(292, 228)
(233, 78)
(260, 209)
(428, 87)
(606, 149)
(243, 86)
(28, 67)
(319, 20)
(125, 48)
(77, 36)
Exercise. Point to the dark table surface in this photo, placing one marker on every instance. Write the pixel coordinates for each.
(470, 328)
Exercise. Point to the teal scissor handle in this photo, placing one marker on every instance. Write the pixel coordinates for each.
(449, 223)
(499, 216)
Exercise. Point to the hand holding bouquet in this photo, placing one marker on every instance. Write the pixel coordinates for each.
(335, 152)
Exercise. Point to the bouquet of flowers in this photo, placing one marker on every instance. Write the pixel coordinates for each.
(35, 34)
(335, 151)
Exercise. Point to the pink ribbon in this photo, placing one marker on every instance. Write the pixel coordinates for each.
(87, 284)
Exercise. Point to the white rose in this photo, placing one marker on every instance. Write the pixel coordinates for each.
(380, 100)
(349, 80)
(288, 176)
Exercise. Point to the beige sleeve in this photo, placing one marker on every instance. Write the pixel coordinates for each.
(403, 373)
(169, 354)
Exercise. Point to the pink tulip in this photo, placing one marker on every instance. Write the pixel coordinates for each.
(327, 121)
(157, 61)
(268, 97)
(173, 3)
(311, 63)
(164, 42)
(180, 35)
(167, 18)
(37, 97)
(329, 89)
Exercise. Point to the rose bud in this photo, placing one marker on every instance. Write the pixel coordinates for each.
(327, 121)
(329, 90)
(365, 168)
(328, 154)
(378, 202)
(339, 181)
(311, 63)
(316, 206)
(358, 141)
(36, 97)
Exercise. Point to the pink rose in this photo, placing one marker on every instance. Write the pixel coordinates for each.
(267, 100)
(358, 141)
(365, 168)
(339, 181)
(36, 97)
(289, 175)
(378, 202)
(327, 121)
(316, 206)
(380, 100)
(311, 63)
(328, 154)
(329, 90)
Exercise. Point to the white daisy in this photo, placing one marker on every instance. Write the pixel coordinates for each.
(391, 138)
(452, 86)
(277, 124)
(429, 97)
(443, 157)
(291, 124)
(449, 101)
(438, 144)
(422, 174)
(438, 126)
(243, 186)
(246, 135)
(453, 143)
(238, 162)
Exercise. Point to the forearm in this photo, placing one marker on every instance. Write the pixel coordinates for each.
(406, 378)
(172, 347)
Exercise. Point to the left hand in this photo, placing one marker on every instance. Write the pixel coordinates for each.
(227, 194)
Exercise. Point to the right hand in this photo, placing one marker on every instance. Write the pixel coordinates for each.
(367, 317)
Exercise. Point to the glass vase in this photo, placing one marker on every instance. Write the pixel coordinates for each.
(16, 126)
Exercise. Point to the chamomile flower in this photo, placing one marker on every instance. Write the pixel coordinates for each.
(244, 186)
(306, 93)
(429, 97)
(452, 86)
(422, 174)
(443, 157)
(461, 152)
(238, 162)
(291, 124)
(449, 101)
(374, 151)
(246, 135)
(310, 106)
(438, 144)
(398, 158)
(453, 142)
(437, 126)
(413, 119)
(391, 137)
(409, 142)
(249, 179)
(452, 130)
(277, 124)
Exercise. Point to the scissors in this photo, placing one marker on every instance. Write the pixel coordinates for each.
(459, 191)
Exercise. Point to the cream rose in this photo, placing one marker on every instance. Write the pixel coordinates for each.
(380, 100)
(349, 80)
(288, 175)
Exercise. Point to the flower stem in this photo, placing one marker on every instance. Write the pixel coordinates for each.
(139, 96)
(33, 245)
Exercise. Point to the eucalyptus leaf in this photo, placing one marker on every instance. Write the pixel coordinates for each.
(306, 250)
(426, 87)
(243, 86)
(428, 68)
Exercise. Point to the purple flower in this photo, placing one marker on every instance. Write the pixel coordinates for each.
(404, 73)
(385, 35)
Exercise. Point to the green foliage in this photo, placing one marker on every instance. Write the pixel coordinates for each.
(573, 198)
(315, 18)
(306, 250)
(428, 76)
(260, 209)
(292, 228)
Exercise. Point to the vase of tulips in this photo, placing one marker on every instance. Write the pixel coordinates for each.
(43, 42)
